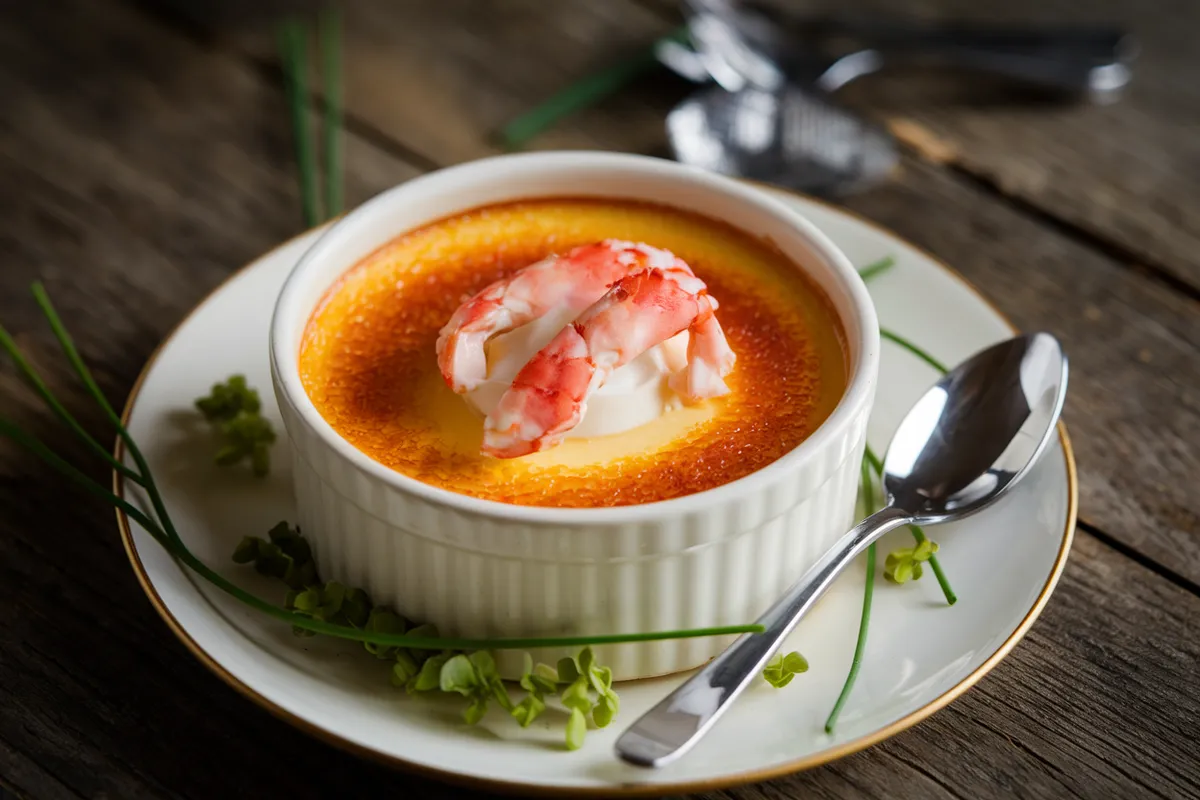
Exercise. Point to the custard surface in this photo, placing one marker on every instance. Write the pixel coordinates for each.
(367, 358)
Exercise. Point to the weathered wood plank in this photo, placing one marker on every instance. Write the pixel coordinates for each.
(1134, 344)
(142, 182)
(16, 768)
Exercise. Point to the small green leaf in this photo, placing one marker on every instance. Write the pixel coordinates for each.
(458, 675)
(431, 672)
(247, 550)
(272, 560)
(356, 607)
(781, 669)
(904, 564)
(500, 692)
(605, 709)
(528, 710)
(404, 670)
(576, 695)
(332, 597)
(567, 671)
(527, 679)
(227, 399)
(485, 666)
(795, 663)
(585, 660)
(281, 532)
(547, 675)
(305, 575)
(475, 710)
(773, 672)
(425, 631)
(600, 678)
(297, 547)
(307, 600)
(784, 679)
(382, 620)
(543, 686)
(576, 729)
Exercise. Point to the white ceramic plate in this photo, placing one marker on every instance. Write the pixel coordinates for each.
(921, 653)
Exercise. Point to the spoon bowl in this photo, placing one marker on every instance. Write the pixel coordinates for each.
(1001, 405)
(965, 443)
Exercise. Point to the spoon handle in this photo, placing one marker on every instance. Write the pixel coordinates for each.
(669, 730)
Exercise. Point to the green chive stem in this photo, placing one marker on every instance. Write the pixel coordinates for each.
(68, 347)
(581, 94)
(181, 552)
(164, 532)
(330, 26)
(918, 535)
(860, 645)
(9, 345)
(912, 348)
(876, 268)
(77, 476)
(295, 76)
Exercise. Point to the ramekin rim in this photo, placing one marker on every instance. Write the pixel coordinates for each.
(855, 400)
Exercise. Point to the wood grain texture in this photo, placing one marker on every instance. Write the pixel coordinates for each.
(141, 166)
(1120, 174)
(441, 78)
(1135, 343)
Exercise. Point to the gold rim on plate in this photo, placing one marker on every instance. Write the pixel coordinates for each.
(640, 790)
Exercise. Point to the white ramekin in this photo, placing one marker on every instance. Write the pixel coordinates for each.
(481, 568)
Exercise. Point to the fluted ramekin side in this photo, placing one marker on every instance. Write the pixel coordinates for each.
(480, 568)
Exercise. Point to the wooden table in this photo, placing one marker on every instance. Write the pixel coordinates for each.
(145, 154)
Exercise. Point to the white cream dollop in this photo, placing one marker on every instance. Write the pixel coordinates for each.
(633, 395)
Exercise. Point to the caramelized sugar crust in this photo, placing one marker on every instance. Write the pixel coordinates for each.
(367, 358)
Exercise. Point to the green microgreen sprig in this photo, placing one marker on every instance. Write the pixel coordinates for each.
(919, 536)
(905, 563)
(782, 668)
(868, 272)
(583, 687)
(158, 524)
(235, 410)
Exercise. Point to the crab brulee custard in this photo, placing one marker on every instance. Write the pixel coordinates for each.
(574, 353)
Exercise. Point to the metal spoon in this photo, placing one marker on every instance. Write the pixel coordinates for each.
(787, 136)
(770, 116)
(965, 443)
